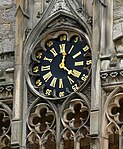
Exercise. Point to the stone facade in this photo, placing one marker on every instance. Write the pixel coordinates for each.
(90, 117)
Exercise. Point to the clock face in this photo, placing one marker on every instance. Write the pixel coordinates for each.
(61, 66)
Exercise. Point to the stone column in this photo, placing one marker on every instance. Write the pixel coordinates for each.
(98, 48)
(109, 27)
(18, 77)
(102, 45)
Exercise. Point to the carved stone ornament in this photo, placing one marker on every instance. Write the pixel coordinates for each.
(76, 128)
(45, 128)
(76, 115)
(59, 64)
(41, 119)
(41, 126)
(114, 113)
(5, 125)
(60, 4)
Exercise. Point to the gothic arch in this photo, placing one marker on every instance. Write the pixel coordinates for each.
(5, 126)
(47, 18)
(112, 119)
(60, 125)
(40, 130)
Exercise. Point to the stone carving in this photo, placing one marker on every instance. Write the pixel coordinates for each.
(114, 116)
(6, 91)
(60, 4)
(42, 118)
(5, 123)
(76, 115)
(41, 121)
(111, 76)
(75, 121)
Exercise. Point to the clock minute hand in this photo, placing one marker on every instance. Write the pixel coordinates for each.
(69, 71)
(62, 64)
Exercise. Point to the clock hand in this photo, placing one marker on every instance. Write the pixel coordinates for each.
(62, 64)
(69, 71)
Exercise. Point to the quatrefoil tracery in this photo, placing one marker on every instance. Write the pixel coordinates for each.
(4, 122)
(115, 109)
(76, 115)
(42, 118)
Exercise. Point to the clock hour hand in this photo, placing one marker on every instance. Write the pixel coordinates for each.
(62, 64)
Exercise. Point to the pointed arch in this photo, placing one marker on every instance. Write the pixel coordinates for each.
(113, 119)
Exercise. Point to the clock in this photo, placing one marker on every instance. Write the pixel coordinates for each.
(60, 64)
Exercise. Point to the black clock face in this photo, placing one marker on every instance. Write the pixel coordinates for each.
(61, 66)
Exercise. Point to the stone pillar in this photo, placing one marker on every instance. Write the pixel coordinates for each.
(109, 27)
(98, 48)
(102, 44)
(18, 77)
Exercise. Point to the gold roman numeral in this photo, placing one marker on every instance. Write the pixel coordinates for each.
(76, 73)
(47, 76)
(44, 68)
(53, 82)
(61, 83)
(71, 49)
(47, 59)
(53, 52)
(62, 48)
(76, 55)
(86, 48)
(70, 80)
(79, 63)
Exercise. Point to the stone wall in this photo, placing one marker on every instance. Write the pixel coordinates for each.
(7, 36)
(118, 19)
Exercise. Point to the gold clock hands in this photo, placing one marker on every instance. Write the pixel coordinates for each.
(62, 64)
(69, 71)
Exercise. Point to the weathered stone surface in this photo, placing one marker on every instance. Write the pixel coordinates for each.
(117, 30)
(118, 19)
(6, 64)
(5, 28)
(9, 14)
(5, 2)
(1, 46)
(7, 25)
(118, 7)
(8, 45)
